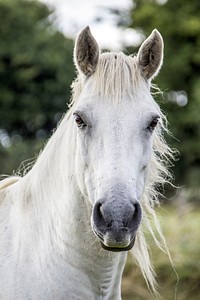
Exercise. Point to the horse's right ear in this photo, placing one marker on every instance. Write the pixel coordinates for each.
(86, 52)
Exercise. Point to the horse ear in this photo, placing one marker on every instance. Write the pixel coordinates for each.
(150, 55)
(86, 52)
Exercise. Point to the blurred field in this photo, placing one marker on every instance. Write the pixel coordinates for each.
(181, 227)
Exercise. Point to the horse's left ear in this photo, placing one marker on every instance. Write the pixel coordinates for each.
(86, 52)
(150, 55)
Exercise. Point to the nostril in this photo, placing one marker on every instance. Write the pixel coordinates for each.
(129, 218)
(98, 217)
(101, 216)
(97, 214)
(98, 208)
(138, 210)
(135, 220)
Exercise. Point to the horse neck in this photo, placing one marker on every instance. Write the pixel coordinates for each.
(63, 216)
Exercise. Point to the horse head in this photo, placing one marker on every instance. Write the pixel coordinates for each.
(116, 119)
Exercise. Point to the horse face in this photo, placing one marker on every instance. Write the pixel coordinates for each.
(114, 146)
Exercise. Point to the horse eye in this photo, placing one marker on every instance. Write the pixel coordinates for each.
(79, 121)
(153, 124)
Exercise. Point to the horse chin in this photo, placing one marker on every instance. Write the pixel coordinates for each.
(118, 249)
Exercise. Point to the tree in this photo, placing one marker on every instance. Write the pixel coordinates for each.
(179, 23)
(36, 69)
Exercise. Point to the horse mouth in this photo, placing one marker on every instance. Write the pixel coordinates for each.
(114, 246)
(118, 248)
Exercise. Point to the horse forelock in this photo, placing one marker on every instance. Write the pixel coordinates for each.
(116, 75)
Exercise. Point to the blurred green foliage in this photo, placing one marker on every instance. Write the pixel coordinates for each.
(36, 68)
(179, 23)
(36, 71)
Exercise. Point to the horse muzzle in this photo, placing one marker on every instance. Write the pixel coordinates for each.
(115, 223)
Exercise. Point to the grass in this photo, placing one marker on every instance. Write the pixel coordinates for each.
(181, 228)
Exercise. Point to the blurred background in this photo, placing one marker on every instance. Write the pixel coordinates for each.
(36, 71)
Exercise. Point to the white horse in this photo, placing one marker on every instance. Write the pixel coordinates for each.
(67, 225)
